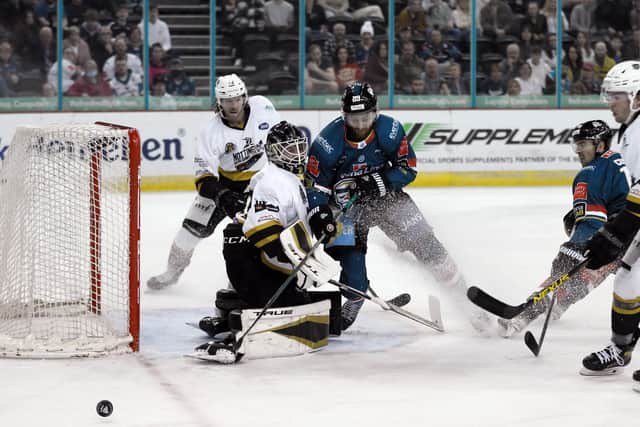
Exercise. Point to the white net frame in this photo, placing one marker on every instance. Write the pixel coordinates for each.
(69, 221)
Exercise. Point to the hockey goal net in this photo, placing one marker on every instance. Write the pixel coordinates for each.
(69, 233)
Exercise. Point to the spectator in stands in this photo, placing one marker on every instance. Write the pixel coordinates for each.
(44, 55)
(315, 15)
(403, 34)
(416, 86)
(121, 25)
(589, 79)
(615, 49)
(550, 11)
(90, 28)
(74, 11)
(613, 16)
(243, 17)
(48, 90)
(334, 8)
(494, 85)
(634, 16)
(103, 48)
(363, 9)
(158, 29)
(444, 89)
(157, 65)
(455, 84)
(439, 16)
(125, 81)
(414, 17)
(549, 54)
(603, 62)
(91, 83)
(4, 90)
(582, 16)
(529, 85)
(337, 39)
(631, 50)
(364, 47)
(584, 47)
(43, 11)
(376, 72)
(159, 86)
(25, 35)
(513, 88)
(462, 19)
(408, 64)
(574, 62)
(178, 83)
(437, 48)
(526, 42)
(536, 22)
(136, 44)
(539, 68)
(79, 46)
(431, 77)
(322, 78)
(278, 16)
(120, 49)
(70, 71)
(10, 68)
(510, 65)
(346, 72)
(496, 18)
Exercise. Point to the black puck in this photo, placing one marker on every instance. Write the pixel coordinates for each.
(104, 408)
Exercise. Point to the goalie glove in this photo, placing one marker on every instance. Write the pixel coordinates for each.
(231, 202)
(371, 186)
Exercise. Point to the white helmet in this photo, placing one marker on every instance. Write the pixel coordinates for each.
(622, 78)
(229, 86)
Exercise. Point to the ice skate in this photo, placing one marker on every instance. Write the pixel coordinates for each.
(214, 325)
(179, 259)
(510, 327)
(350, 310)
(608, 361)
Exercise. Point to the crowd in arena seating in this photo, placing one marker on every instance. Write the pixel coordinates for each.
(102, 50)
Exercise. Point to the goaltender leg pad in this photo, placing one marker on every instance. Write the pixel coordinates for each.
(284, 331)
(335, 314)
(297, 243)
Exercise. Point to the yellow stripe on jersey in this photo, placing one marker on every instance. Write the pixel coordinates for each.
(237, 175)
(277, 267)
(262, 226)
(264, 234)
(625, 306)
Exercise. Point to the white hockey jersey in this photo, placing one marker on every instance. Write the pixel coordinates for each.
(630, 150)
(236, 154)
(278, 200)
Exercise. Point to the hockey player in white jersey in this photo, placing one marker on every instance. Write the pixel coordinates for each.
(230, 151)
(621, 91)
(256, 262)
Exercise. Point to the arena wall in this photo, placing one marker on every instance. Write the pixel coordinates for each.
(454, 147)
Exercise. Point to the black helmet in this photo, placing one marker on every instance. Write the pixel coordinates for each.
(287, 147)
(359, 97)
(595, 130)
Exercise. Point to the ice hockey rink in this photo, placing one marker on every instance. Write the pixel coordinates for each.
(384, 371)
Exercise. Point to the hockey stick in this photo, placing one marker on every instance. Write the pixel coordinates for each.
(434, 307)
(506, 311)
(228, 354)
(530, 340)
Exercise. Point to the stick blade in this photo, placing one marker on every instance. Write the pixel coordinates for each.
(531, 342)
(434, 311)
(493, 305)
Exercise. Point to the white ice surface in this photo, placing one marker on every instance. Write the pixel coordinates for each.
(385, 371)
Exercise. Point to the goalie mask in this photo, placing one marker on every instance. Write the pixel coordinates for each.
(287, 147)
(231, 97)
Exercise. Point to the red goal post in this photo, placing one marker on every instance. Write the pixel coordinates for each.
(69, 241)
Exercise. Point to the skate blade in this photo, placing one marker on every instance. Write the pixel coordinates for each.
(604, 373)
(221, 357)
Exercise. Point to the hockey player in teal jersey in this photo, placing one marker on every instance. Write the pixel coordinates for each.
(599, 193)
(368, 153)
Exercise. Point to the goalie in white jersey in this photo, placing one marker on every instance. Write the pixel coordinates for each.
(255, 259)
(230, 151)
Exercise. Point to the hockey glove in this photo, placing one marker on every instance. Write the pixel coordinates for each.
(371, 186)
(569, 221)
(231, 202)
(603, 248)
(322, 222)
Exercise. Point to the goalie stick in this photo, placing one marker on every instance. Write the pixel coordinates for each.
(434, 307)
(506, 311)
(228, 353)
